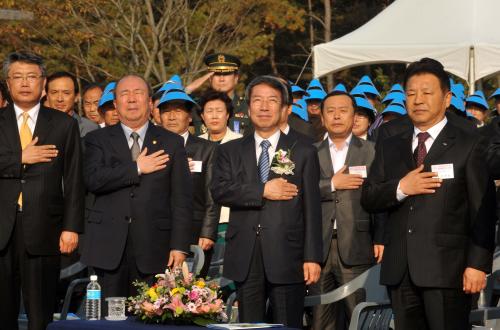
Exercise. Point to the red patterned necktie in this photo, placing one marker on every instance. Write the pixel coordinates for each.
(421, 150)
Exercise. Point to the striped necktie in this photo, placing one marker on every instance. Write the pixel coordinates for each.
(264, 163)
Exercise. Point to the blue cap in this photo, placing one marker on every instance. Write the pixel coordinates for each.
(480, 94)
(395, 108)
(458, 91)
(369, 89)
(300, 109)
(106, 97)
(362, 102)
(175, 79)
(496, 93)
(339, 88)
(168, 86)
(315, 94)
(365, 80)
(394, 96)
(358, 91)
(397, 88)
(315, 84)
(457, 103)
(298, 89)
(478, 100)
(109, 87)
(177, 95)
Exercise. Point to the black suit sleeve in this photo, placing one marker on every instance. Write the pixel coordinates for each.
(229, 191)
(378, 194)
(74, 190)
(212, 210)
(181, 199)
(492, 132)
(313, 249)
(482, 203)
(10, 161)
(101, 178)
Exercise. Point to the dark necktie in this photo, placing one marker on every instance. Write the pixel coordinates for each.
(135, 150)
(421, 150)
(264, 163)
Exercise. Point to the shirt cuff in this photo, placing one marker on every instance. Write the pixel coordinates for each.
(400, 195)
(181, 252)
(333, 186)
(138, 170)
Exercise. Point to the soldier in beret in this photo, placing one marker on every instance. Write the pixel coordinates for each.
(223, 77)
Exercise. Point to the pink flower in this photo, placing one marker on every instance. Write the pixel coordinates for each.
(176, 305)
(148, 308)
(193, 295)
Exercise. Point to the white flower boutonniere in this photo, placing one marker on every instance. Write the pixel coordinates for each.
(282, 164)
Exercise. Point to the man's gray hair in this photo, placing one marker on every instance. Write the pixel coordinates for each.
(24, 57)
(150, 90)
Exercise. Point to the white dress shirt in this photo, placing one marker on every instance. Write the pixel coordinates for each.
(286, 130)
(273, 139)
(433, 134)
(338, 155)
(33, 116)
(141, 131)
(185, 136)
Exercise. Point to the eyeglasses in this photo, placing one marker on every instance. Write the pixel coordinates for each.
(30, 78)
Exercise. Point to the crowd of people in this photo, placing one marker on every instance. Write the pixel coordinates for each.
(307, 188)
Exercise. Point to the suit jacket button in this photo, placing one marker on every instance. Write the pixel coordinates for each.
(410, 231)
(23, 181)
(132, 195)
(411, 208)
(337, 201)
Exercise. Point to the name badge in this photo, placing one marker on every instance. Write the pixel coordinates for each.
(444, 171)
(197, 166)
(360, 170)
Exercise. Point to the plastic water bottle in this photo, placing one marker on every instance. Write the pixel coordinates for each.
(93, 301)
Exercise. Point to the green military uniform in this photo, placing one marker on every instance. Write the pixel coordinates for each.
(240, 122)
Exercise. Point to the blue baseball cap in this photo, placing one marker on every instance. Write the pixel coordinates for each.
(300, 109)
(358, 91)
(109, 87)
(106, 97)
(365, 80)
(177, 95)
(315, 84)
(397, 88)
(298, 89)
(477, 99)
(457, 103)
(394, 96)
(395, 108)
(339, 88)
(495, 94)
(315, 94)
(175, 79)
(170, 85)
(458, 91)
(362, 102)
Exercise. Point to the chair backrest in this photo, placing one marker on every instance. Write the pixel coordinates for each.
(196, 263)
(369, 281)
(371, 316)
(72, 270)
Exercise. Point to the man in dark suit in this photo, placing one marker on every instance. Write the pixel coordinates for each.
(273, 238)
(439, 236)
(42, 194)
(175, 113)
(352, 243)
(140, 222)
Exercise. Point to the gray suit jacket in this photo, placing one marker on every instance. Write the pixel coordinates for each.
(85, 125)
(356, 230)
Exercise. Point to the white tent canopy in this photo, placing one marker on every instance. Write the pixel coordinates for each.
(461, 34)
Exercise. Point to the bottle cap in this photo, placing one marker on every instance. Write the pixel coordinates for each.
(93, 277)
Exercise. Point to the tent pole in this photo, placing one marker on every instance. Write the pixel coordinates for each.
(303, 68)
(472, 71)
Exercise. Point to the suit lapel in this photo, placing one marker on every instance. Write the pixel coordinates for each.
(405, 148)
(119, 142)
(151, 140)
(8, 125)
(325, 159)
(353, 157)
(43, 125)
(249, 157)
(285, 143)
(444, 141)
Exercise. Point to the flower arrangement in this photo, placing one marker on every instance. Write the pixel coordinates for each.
(178, 297)
(282, 164)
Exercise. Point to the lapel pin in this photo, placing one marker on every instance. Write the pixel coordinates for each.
(445, 144)
(154, 141)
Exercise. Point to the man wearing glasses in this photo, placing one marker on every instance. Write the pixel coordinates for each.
(42, 194)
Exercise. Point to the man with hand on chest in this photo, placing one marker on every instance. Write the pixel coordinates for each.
(432, 181)
(271, 184)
